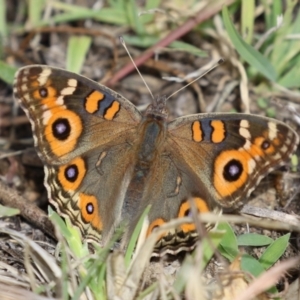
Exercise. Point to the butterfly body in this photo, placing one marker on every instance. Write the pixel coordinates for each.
(105, 161)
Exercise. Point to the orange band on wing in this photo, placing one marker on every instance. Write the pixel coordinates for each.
(197, 131)
(219, 132)
(112, 111)
(92, 101)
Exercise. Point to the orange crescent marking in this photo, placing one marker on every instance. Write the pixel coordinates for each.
(94, 217)
(92, 101)
(201, 206)
(218, 134)
(155, 223)
(66, 184)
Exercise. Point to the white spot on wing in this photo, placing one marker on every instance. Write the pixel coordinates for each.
(42, 79)
(24, 88)
(68, 91)
(26, 97)
(251, 165)
(245, 133)
(46, 117)
(277, 156)
(244, 123)
(246, 146)
(72, 82)
(257, 157)
(272, 130)
(60, 100)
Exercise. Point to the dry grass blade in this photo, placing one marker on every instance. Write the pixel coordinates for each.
(38, 262)
(127, 284)
(15, 293)
(115, 273)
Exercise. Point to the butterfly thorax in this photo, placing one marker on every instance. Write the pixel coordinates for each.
(152, 132)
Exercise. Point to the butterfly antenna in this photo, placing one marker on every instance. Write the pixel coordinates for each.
(125, 47)
(219, 62)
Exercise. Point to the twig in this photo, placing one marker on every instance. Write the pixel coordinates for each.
(29, 211)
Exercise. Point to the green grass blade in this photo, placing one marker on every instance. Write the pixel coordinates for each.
(35, 9)
(7, 73)
(228, 246)
(253, 239)
(277, 10)
(78, 47)
(107, 15)
(115, 15)
(274, 251)
(271, 11)
(140, 41)
(150, 4)
(134, 237)
(8, 211)
(215, 238)
(247, 20)
(267, 14)
(70, 233)
(248, 53)
(291, 78)
(182, 46)
(251, 265)
(281, 47)
(290, 49)
(64, 269)
(3, 25)
(133, 18)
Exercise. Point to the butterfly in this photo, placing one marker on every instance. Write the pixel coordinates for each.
(105, 162)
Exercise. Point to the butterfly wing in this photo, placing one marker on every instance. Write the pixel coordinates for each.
(76, 124)
(215, 160)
